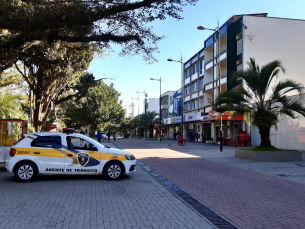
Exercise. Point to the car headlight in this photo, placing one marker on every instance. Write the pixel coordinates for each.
(130, 157)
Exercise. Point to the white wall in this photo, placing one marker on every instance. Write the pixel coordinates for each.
(290, 134)
(153, 105)
(267, 39)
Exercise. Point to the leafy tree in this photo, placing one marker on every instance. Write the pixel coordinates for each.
(264, 98)
(10, 78)
(125, 125)
(103, 22)
(48, 80)
(99, 108)
(10, 105)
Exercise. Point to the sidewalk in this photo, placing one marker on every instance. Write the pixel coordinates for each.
(294, 171)
(136, 201)
(249, 194)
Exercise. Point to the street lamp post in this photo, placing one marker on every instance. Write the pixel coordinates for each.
(182, 88)
(159, 105)
(201, 27)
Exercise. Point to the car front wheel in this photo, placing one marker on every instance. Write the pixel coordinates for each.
(25, 171)
(113, 170)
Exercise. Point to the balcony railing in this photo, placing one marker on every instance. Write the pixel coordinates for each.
(209, 65)
(209, 86)
(194, 76)
(187, 81)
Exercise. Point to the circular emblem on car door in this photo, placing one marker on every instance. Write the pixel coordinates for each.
(83, 158)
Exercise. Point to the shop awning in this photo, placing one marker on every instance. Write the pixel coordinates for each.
(237, 117)
(208, 119)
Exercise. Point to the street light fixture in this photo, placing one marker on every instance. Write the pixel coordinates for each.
(159, 105)
(182, 88)
(201, 27)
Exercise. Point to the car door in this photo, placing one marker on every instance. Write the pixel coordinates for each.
(47, 152)
(85, 157)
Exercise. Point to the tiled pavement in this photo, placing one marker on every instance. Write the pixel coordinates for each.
(136, 201)
(250, 194)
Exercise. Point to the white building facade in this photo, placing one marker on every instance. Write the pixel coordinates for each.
(209, 71)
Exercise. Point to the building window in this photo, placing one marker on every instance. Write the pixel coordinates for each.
(193, 87)
(194, 104)
(201, 66)
(187, 75)
(201, 83)
(196, 86)
(202, 102)
(193, 68)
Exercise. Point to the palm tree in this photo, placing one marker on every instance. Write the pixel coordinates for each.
(147, 121)
(262, 96)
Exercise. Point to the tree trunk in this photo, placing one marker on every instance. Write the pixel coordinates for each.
(265, 136)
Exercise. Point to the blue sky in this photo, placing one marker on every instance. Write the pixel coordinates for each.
(132, 73)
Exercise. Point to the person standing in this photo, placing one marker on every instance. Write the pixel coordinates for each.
(99, 136)
(114, 136)
(108, 135)
(175, 135)
(196, 136)
(203, 136)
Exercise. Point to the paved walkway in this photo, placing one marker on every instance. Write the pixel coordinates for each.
(65, 202)
(250, 194)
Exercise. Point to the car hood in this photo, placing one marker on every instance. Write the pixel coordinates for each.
(118, 151)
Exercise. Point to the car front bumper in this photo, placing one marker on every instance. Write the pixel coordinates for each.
(130, 166)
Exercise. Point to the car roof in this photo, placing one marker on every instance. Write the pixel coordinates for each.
(52, 133)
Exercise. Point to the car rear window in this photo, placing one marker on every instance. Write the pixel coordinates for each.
(47, 141)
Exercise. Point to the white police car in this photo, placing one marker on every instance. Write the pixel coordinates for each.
(60, 153)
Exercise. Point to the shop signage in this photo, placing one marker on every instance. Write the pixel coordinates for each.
(178, 119)
(212, 114)
(190, 117)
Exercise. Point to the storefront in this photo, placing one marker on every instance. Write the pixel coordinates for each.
(231, 126)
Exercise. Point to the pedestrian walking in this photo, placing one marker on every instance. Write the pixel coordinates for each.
(196, 136)
(114, 136)
(108, 135)
(175, 135)
(203, 136)
(99, 136)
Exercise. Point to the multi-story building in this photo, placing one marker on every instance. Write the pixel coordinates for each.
(173, 120)
(152, 105)
(241, 37)
(193, 85)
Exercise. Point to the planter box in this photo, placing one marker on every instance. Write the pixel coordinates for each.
(269, 156)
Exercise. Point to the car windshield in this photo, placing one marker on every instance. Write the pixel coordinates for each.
(91, 139)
